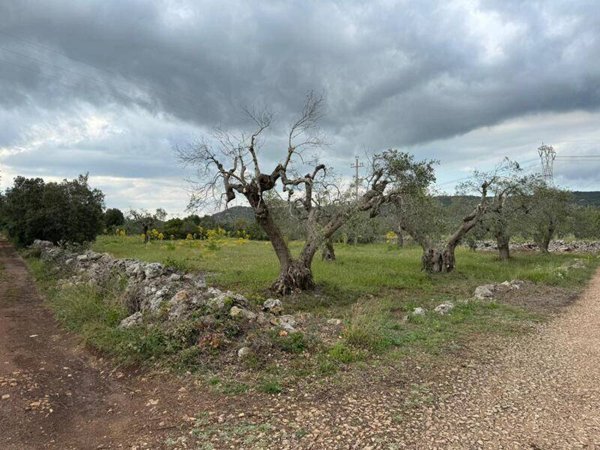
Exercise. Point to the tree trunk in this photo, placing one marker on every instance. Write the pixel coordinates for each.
(266, 222)
(146, 237)
(546, 238)
(294, 277)
(502, 241)
(400, 238)
(544, 244)
(439, 261)
(328, 251)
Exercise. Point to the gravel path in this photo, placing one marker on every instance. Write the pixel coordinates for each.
(542, 392)
(539, 391)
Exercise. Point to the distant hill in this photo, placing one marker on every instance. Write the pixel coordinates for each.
(231, 215)
(587, 198)
(235, 213)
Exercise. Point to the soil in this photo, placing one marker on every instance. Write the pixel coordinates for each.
(54, 394)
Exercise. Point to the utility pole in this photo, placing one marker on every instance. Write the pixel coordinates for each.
(547, 156)
(356, 166)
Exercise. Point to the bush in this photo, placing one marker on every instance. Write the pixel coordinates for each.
(69, 211)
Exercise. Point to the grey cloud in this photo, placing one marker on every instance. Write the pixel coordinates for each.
(396, 74)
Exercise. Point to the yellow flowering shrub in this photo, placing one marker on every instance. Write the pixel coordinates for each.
(391, 238)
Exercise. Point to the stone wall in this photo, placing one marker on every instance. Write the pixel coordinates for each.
(157, 293)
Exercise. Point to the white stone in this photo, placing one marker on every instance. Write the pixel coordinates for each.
(288, 323)
(153, 270)
(132, 320)
(484, 292)
(244, 352)
(444, 308)
(418, 311)
(273, 305)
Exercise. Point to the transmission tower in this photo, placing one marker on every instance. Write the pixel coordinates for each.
(547, 156)
(357, 179)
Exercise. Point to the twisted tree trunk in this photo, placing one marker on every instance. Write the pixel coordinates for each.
(328, 253)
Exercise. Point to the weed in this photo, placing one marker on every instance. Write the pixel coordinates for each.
(290, 343)
(342, 353)
(270, 386)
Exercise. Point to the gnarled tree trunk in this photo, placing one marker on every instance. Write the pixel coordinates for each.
(502, 241)
(294, 277)
(438, 260)
(400, 238)
(328, 253)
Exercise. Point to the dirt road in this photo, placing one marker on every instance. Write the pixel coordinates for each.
(52, 394)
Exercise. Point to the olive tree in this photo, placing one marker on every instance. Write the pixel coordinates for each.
(233, 166)
(547, 214)
(506, 213)
(420, 214)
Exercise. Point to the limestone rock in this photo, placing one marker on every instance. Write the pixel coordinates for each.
(153, 270)
(273, 305)
(236, 311)
(444, 308)
(244, 352)
(418, 311)
(484, 292)
(132, 320)
(288, 323)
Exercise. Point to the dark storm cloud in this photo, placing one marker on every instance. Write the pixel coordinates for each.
(394, 73)
(421, 65)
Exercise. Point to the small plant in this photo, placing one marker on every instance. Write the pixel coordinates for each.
(290, 343)
(342, 353)
(270, 387)
(175, 264)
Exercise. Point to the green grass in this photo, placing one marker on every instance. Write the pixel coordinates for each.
(372, 288)
(96, 313)
(251, 266)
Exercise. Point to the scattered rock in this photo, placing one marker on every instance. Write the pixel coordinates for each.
(244, 352)
(335, 322)
(418, 311)
(153, 270)
(180, 296)
(288, 323)
(484, 292)
(444, 308)
(236, 311)
(274, 306)
(131, 321)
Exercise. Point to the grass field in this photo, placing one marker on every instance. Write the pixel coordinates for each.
(251, 266)
(371, 288)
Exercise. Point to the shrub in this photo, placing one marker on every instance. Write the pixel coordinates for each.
(69, 211)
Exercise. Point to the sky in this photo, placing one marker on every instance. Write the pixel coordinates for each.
(111, 87)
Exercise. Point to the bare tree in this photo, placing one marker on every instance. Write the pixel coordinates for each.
(232, 167)
(146, 220)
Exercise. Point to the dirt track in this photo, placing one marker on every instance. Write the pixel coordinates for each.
(54, 395)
